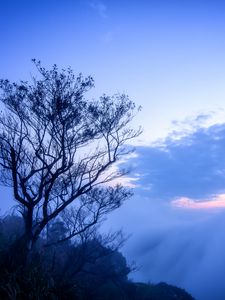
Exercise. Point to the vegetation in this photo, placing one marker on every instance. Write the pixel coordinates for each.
(88, 269)
(57, 150)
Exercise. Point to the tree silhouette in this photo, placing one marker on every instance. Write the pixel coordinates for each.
(57, 149)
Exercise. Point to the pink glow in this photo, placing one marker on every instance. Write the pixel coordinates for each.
(216, 202)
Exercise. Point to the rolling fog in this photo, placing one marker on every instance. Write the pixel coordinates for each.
(180, 244)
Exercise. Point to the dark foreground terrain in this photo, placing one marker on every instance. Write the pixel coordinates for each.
(87, 269)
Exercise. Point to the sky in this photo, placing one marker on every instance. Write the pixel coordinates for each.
(168, 56)
(177, 214)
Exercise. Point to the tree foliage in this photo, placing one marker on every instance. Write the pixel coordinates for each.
(57, 148)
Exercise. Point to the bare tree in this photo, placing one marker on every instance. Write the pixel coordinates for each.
(57, 149)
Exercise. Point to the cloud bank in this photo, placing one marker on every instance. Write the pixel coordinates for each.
(192, 166)
(177, 216)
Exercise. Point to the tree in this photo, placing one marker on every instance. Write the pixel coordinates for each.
(57, 149)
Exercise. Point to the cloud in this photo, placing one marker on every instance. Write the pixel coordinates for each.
(177, 216)
(217, 202)
(188, 254)
(181, 247)
(100, 8)
(192, 166)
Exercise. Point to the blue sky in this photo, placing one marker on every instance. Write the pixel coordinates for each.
(168, 56)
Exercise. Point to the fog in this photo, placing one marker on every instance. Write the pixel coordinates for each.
(183, 246)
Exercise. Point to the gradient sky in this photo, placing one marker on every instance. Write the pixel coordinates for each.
(169, 57)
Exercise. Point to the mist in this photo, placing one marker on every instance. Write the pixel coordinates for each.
(182, 245)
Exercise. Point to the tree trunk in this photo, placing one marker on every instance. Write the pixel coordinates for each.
(20, 252)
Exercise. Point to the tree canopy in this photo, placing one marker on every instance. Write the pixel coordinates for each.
(57, 149)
